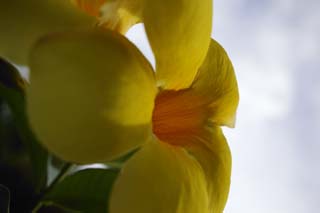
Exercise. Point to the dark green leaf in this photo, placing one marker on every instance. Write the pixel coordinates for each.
(4, 199)
(10, 77)
(12, 93)
(86, 190)
(118, 162)
(15, 165)
(12, 150)
(21, 189)
(54, 208)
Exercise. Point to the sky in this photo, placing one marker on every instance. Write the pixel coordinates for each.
(275, 48)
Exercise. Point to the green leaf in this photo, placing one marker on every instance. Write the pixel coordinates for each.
(86, 190)
(50, 207)
(119, 162)
(4, 199)
(10, 76)
(15, 166)
(12, 92)
(12, 150)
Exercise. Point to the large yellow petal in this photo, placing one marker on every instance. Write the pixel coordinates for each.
(179, 35)
(160, 178)
(22, 22)
(212, 152)
(91, 95)
(216, 83)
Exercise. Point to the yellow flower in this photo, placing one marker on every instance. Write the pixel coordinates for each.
(94, 97)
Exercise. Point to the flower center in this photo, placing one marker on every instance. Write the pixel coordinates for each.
(177, 115)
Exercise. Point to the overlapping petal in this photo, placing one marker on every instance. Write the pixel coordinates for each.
(91, 95)
(160, 178)
(92, 7)
(211, 150)
(120, 15)
(23, 22)
(216, 83)
(179, 35)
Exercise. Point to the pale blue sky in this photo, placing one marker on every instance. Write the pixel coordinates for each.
(275, 50)
(274, 46)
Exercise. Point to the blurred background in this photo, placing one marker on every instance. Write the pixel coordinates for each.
(274, 46)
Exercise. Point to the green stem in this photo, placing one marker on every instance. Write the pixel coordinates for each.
(63, 172)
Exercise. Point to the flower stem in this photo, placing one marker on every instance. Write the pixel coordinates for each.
(63, 172)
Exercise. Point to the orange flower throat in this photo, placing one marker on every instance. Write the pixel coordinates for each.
(178, 115)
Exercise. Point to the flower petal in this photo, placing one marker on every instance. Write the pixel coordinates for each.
(179, 34)
(91, 7)
(23, 22)
(217, 83)
(211, 150)
(120, 15)
(91, 95)
(160, 178)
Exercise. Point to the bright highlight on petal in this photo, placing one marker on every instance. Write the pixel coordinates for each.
(179, 35)
(160, 178)
(217, 84)
(22, 22)
(211, 150)
(87, 93)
